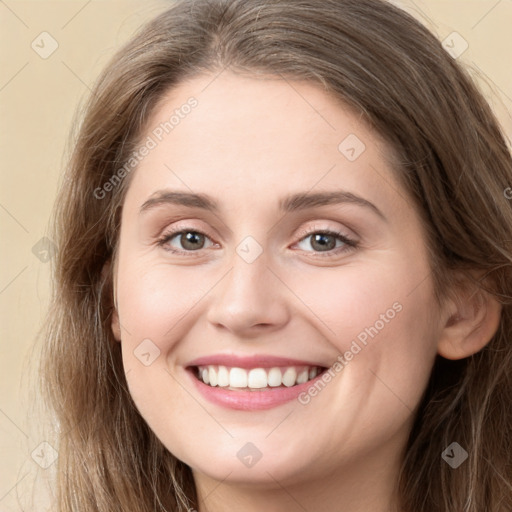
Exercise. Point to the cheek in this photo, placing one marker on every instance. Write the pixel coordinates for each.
(154, 308)
(381, 322)
(152, 304)
(348, 301)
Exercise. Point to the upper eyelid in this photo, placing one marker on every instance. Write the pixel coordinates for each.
(302, 234)
(315, 228)
(183, 224)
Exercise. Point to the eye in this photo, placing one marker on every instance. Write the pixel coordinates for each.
(323, 242)
(190, 240)
(326, 241)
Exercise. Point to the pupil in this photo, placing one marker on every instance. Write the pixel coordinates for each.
(324, 245)
(190, 238)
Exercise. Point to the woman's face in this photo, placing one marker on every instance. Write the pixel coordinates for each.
(265, 238)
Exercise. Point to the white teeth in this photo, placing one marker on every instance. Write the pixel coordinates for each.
(223, 376)
(302, 377)
(274, 377)
(256, 378)
(289, 377)
(212, 375)
(237, 378)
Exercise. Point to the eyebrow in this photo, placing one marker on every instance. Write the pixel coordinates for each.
(292, 203)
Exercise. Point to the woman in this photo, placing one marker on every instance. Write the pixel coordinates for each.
(284, 271)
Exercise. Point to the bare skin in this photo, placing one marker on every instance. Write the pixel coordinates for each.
(249, 143)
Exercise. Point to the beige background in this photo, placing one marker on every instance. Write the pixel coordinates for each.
(37, 100)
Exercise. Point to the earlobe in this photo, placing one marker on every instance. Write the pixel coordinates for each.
(470, 326)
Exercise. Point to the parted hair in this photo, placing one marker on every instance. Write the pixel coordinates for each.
(451, 158)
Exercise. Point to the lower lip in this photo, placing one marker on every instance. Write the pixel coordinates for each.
(251, 400)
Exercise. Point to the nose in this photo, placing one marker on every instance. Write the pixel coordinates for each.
(250, 300)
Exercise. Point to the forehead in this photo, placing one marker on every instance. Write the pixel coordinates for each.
(258, 137)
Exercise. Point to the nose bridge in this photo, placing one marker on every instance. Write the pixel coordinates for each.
(249, 296)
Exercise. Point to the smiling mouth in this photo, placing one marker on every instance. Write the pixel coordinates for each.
(255, 379)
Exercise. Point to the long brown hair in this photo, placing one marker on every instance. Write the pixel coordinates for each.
(451, 158)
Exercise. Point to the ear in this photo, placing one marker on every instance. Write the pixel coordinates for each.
(115, 324)
(471, 322)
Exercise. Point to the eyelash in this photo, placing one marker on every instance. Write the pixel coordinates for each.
(349, 243)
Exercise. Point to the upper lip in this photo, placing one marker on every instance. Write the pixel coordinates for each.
(256, 361)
